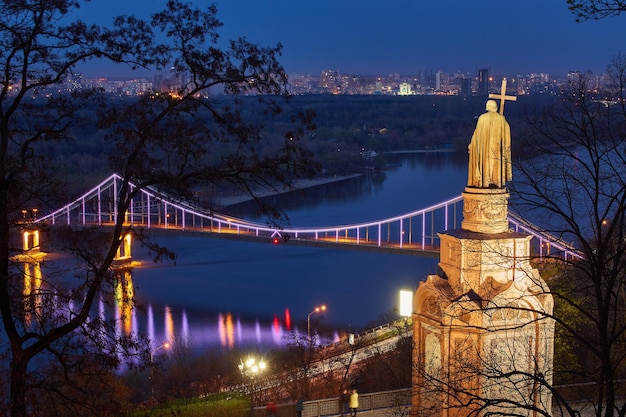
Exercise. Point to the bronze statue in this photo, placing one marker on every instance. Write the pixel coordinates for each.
(490, 150)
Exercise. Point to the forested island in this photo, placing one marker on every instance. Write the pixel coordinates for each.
(351, 133)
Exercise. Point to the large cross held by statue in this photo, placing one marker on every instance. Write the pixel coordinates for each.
(502, 96)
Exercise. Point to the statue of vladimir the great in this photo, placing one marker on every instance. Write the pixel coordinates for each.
(490, 150)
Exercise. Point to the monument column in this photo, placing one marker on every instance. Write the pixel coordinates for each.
(482, 343)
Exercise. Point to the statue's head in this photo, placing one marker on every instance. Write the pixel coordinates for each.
(491, 105)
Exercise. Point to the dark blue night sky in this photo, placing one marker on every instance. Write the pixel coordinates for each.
(369, 37)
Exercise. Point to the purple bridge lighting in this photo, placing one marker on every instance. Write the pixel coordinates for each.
(414, 233)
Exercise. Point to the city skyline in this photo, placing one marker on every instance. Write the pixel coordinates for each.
(333, 82)
(404, 37)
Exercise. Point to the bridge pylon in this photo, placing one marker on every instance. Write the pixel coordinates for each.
(124, 290)
(30, 259)
(124, 251)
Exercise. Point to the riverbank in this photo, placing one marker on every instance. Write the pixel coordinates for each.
(221, 202)
(225, 201)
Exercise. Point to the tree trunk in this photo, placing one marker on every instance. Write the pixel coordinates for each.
(18, 383)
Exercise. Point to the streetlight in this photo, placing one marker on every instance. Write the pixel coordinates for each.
(308, 319)
(250, 369)
(165, 346)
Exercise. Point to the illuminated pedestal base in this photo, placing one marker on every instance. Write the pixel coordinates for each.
(482, 343)
(485, 210)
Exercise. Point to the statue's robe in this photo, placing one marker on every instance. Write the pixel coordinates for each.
(490, 152)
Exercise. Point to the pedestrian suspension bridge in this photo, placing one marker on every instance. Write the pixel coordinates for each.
(414, 233)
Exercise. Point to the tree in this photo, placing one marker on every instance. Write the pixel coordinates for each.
(178, 140)
(577, 191)
(595, 9)
(588, 141)
(386, 369)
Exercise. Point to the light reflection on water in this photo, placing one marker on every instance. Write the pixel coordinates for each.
(233, 295)
(224, 331)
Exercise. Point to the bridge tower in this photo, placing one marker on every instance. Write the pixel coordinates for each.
(31, 258)
(483, 339)
(123, 265)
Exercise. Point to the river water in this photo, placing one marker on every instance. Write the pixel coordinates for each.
(239, 294)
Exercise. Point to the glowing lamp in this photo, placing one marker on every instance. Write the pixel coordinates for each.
(406, 303)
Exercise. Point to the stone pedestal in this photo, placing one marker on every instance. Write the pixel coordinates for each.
(485, 210)
(481, 333)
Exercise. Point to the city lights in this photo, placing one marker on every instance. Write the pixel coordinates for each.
(251, 368)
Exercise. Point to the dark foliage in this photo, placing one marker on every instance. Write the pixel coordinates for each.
(57, 347)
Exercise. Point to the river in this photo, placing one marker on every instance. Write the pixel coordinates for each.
(235, 294)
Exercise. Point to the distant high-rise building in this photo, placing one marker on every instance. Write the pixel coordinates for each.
(466, 86)
(330, 81)
(441, 81)
(483, 82)
(378, 87)
(573, 76)
(157, 82)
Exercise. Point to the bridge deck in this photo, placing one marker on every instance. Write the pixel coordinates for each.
(414, 233)
(410, 249)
